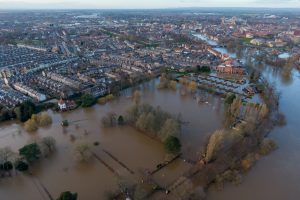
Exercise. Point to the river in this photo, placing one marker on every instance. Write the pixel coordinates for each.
(276, 176)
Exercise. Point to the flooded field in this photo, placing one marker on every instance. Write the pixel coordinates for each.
(122, 152)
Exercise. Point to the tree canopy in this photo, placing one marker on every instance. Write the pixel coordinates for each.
(88, 100)
(25, 110)
(67, 196)
(172, 144)
(21, 165)
(30, 152)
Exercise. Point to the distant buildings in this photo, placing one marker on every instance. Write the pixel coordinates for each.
(257, 42)
(30, 92)
(65, 80)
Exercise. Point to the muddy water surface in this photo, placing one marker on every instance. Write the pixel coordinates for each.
(123, 151)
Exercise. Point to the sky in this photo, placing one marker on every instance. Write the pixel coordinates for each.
(134, 4)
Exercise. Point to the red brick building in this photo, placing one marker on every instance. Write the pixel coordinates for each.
(230, 67)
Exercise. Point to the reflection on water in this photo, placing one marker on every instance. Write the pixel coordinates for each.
(136, 151)
(212, 42)
(284, 55)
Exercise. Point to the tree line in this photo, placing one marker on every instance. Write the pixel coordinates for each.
(154, 122)
(157, 124)
(27, 155)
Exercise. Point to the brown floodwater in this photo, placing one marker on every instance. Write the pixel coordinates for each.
(123, 151)
(276, 176)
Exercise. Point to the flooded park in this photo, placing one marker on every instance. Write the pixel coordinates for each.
(122, 153)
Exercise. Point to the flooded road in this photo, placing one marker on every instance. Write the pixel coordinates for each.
(123, 151)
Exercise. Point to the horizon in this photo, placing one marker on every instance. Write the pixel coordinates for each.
(149, 9)
(147, 4)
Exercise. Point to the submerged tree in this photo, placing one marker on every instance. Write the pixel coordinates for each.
(172, 144)
(229, 98)
(67, 196)
(132, 113)
(30, 152)
(121, 120)
(21, 165)
(171, 127)
(31, 125)
(109, 120)
(141, 122)
(6, 154)
(25, 110)
(82, 152)
(214, 144)
(192, 86)
(7, 166)
(47, 145)
(88, 100)
(136, 96)
(44, 119)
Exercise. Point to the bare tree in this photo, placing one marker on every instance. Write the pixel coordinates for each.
(47, 145)
(214, 144)
(82, 152)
